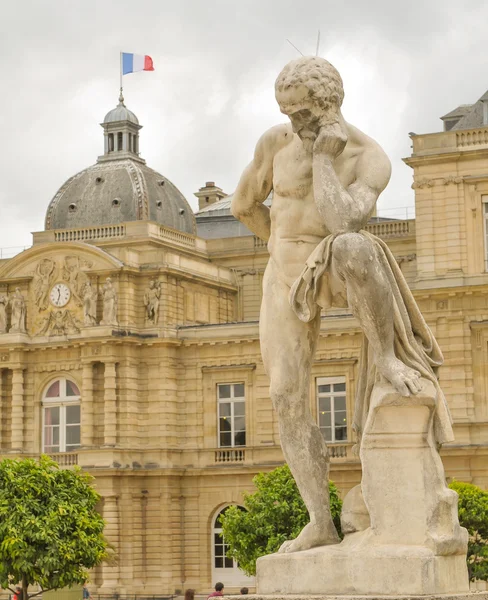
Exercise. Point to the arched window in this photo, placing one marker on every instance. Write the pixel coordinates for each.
(61, 417)
(225, 569)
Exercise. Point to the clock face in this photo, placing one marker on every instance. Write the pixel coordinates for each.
(60, 295)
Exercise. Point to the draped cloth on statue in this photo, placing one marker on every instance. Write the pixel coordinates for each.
(414, 342)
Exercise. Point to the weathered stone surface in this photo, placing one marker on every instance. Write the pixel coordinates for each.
(403, 530)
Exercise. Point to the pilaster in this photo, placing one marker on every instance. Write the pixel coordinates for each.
(17, 408)
(110, 404)
(87, 405)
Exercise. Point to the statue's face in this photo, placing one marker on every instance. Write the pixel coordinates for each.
(305, 115)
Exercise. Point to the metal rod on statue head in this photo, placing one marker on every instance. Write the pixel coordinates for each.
(291, 44)
(318, 44)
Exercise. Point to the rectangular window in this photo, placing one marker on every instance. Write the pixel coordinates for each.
(232, 414)
(62, 428)
(331, 408)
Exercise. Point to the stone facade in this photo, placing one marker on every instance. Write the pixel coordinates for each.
(150, 388)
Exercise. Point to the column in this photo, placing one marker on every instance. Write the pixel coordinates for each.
(110, 405)
(87, 405)
(17, 408)
(112, 532)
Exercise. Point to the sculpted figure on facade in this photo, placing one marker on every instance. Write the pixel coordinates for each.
(89, 304)
(151, 301)
(42, 282)
(110, 303)
(76, 278)
(326, 176)
(17, 302)
(3, 312)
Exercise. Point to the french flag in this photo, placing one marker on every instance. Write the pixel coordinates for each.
(131, 63)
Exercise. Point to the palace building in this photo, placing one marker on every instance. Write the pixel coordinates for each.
(129, 346)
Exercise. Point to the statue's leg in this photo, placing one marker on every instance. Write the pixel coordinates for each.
(355, 264)
(288, 346)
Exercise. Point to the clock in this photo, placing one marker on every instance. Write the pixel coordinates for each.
(60, 295)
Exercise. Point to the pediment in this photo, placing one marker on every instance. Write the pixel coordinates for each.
(58, 256)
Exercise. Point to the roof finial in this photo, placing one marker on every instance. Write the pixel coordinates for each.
(121, 97)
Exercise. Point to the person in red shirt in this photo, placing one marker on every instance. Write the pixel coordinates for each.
(219, 590)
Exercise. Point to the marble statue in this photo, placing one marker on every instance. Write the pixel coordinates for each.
(151, 301)
(110, 303)
(17, 302)
(3, 313)
(326, 176)
(89, 305)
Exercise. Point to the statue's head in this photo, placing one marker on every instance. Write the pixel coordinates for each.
(309, 91)
(152, 283)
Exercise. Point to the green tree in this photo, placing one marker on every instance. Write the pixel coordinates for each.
(274, 513)
(50, 531)
(473, 514)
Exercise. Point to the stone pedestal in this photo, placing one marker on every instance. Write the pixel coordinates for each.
(402, 531)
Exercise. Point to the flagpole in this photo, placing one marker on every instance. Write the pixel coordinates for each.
(121, 98)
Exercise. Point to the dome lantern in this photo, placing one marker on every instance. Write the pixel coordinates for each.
(121, 131)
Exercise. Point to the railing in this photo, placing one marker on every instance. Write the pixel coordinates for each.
(259, 243)
(177, 236)
(477, 137)
(90, 233)
(336, 451)
(65, 459)
(232, 455)
(390, 228)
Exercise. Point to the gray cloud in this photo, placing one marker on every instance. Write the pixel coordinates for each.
(211, 95)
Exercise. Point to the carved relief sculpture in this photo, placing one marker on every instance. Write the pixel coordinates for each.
(110, 303)
(327, 175)
(151, 301)
(42, 282)
(3, 313)
(89, 305)
(76, 278)
(59, 322)
(17, 302)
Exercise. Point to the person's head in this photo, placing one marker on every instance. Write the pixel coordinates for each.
(18, 588)
(244, 591)
(310, 92)
(189, 594)
(219, 586)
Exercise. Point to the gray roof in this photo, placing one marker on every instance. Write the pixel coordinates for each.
(120, 113)
(460, 111)
(222, 207)
(117, 191)
(470, 115)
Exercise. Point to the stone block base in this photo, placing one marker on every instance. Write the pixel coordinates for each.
(467, 596)
(347, 571)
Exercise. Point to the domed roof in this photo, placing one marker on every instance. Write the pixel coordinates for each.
(121, 113)
(116, 191)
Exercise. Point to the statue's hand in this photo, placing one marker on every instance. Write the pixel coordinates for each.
(331, 141)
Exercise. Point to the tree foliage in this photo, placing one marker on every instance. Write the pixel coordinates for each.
(473, 514)
(50, 531)
(274, 513)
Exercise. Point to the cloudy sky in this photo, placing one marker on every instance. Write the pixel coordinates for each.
(211, 95)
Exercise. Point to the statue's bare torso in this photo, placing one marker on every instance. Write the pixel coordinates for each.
(296, 225)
